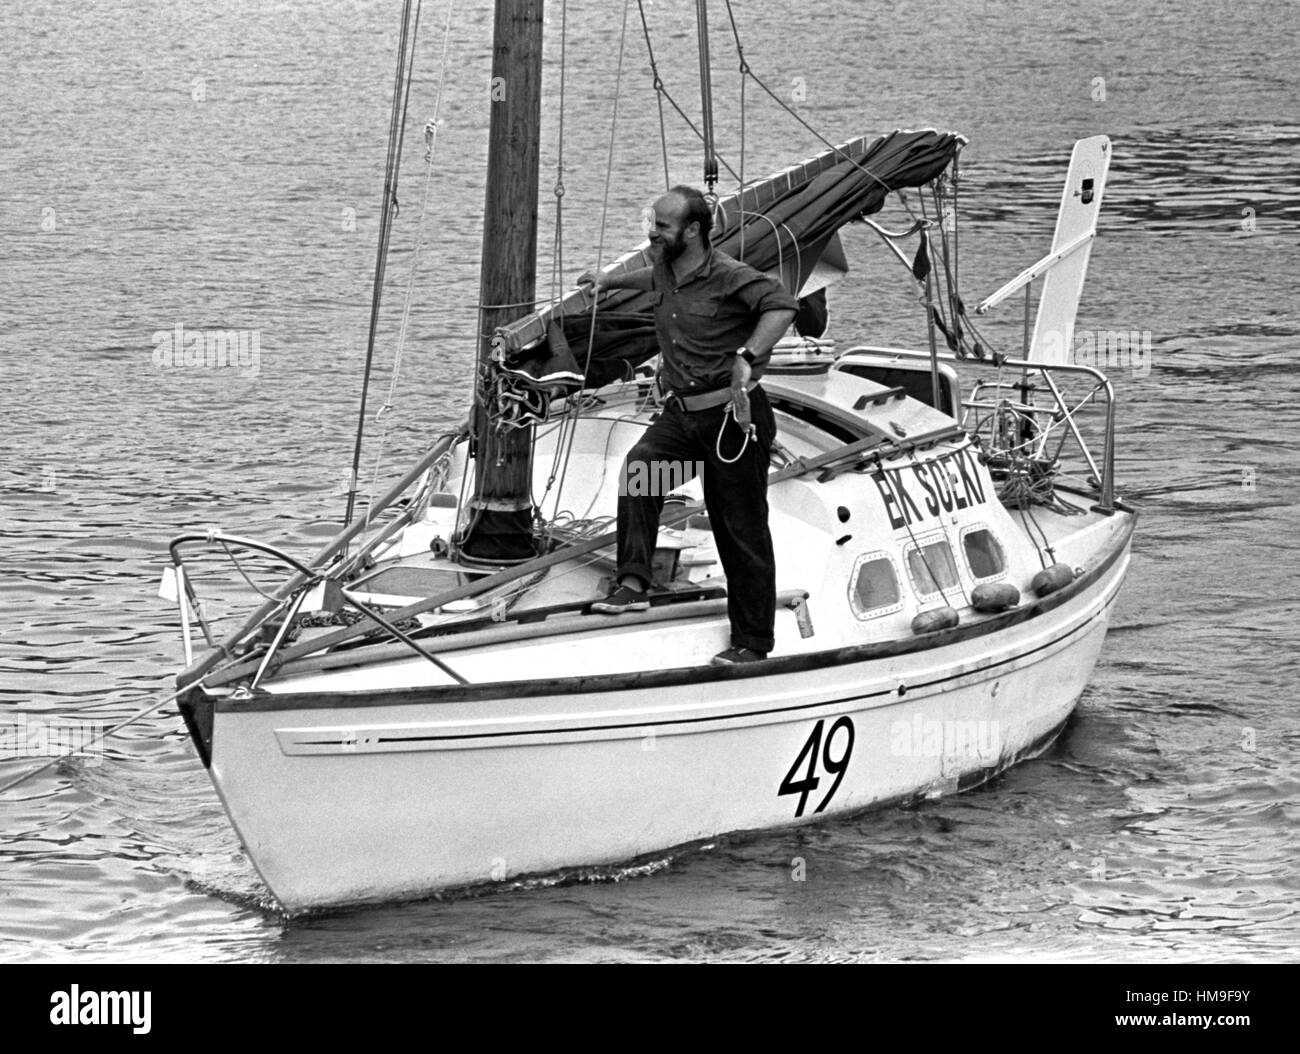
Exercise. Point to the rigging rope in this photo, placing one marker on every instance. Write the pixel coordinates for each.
(396, 132)
(749, 431)
(744, 76)
(948, 259)
(662, 91)
(244, 574)
(917, 547)
(609, 178)
(956, 226)
(431, 128)
(567, 429)
(94, 740)
(557, 256)
(933, 303)
(564, 437)
(791, 111)
(659, 92)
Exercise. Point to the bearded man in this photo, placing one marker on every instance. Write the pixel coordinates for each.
(717, 320)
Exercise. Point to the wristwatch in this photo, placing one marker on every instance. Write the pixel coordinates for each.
(745, 354)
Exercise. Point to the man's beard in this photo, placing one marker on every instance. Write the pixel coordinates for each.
(672, 247)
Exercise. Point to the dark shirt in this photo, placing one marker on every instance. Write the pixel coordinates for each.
(704, 319)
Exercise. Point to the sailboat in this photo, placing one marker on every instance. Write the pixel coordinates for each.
(430, 702)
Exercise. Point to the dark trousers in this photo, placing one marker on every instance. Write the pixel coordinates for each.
(734, 494)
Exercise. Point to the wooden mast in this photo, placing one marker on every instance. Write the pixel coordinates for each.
(501, 527)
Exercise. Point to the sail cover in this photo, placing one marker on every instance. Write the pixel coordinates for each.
(781, 224)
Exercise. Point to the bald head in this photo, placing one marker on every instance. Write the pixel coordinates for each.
(683, 206)
(670, 206)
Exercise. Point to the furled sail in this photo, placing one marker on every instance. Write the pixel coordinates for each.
(782, 224)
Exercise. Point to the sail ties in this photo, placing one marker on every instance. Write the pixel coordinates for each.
(518, 405)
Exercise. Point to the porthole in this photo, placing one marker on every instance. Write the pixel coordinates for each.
(873, 587)
(984, 555)
(932, 568)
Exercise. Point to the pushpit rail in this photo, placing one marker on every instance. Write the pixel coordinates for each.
(1060, 411)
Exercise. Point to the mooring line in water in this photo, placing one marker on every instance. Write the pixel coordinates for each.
(94, 741)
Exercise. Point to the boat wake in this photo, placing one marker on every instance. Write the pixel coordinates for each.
(243, 891)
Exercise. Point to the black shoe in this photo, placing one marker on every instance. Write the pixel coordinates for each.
(622, 599)
(735, 655)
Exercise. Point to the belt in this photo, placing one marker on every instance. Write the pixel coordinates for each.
(705, 400)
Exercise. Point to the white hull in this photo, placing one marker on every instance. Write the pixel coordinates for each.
(943, 589)
(340, 803)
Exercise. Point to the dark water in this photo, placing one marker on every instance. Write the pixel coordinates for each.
(219, 167)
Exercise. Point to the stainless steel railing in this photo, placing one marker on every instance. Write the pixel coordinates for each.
(1062, 413)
